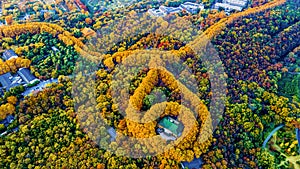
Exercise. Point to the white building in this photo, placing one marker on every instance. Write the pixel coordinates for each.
(240, 3)
(192, 7)
(228, 7)
(170, 10)
(156, 13)
(55, 49)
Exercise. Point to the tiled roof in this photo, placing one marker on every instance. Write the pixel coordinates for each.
(88, 32)
(26, 75)
(8, 54)
(5, 80)
(168, 124)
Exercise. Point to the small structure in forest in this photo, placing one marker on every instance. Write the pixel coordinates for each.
(170, 128)
(113, 134)
(88, 32)
(54, 48)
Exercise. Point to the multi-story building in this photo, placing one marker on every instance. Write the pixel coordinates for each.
(170, 10)
(156, 13)
(230, 5)
(227, 7)
(192, 7)
(240, 3)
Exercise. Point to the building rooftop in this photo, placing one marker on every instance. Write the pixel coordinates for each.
(112, 132)
(192, 7)
(25, 17)
(195, 164)
(88, 32)
(156, 12)
(26, 75)
(170, 10)
(64, 7)
(228, 7)
(9, 54)
(172, 125)
(50, 11)
(15, 129)
(9, 119)
(5, 80)
(55, 49)
(240, 3)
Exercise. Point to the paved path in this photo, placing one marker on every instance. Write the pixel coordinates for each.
(43, 84)
(40, 86)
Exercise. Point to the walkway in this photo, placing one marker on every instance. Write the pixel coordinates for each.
(40, 86)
